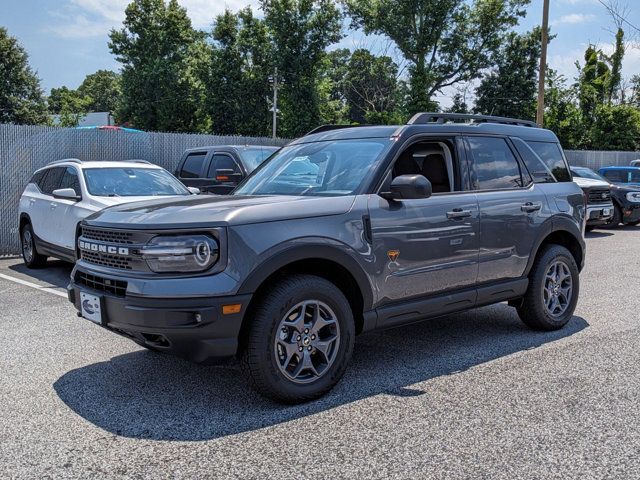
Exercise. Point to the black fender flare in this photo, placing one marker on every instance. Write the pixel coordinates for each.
(309, 251)
(556, 224)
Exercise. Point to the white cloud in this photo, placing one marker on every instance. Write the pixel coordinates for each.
(573, 19)
(94, 18)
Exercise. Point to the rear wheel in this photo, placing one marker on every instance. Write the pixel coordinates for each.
(554, 284)
(30, 255)
(300, 340)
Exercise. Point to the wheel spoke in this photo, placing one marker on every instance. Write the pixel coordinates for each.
(291, 350)
(304, 364)
(324, 346)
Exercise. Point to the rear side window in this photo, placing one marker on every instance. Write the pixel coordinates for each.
(193, 165)
(551, 155)
(52, 181)
(495, 165)
(533, 163)
(635, 176)
(616, 176)
(70, 180)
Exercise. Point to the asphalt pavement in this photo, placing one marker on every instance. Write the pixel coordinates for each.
(474, 395)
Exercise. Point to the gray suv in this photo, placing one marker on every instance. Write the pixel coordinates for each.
(343, 231)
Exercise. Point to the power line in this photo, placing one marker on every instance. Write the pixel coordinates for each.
(618, 16)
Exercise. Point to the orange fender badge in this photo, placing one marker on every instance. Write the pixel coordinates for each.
(393, 255)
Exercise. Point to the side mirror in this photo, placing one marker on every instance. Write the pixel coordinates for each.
(66, 194)
(406, 187)
(227, 175)
(194, 190)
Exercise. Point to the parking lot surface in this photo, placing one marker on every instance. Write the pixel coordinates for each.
(474, 395)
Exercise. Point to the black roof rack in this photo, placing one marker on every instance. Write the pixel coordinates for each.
(435, 117)
(329, 127)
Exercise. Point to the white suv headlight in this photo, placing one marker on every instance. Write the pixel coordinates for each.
(633, 197)
(181, 254)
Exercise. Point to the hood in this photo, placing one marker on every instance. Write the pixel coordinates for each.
(625, 187)
(200, 211)
(589, 182)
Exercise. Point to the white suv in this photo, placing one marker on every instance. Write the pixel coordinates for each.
(59, 196)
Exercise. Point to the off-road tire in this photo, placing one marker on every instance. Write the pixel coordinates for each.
(258, 358)
(533, 311)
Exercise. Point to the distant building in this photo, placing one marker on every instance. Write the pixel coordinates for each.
(93, 119)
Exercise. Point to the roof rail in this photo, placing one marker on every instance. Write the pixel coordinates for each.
(329, 127)
(65, 160)
(139, 160)
(435, 117)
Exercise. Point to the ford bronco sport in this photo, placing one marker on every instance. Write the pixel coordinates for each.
(343, 231)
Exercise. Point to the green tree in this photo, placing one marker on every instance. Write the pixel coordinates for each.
(101, 91)
(459, 104)
(634, 98)
(445, 41)
(592, 82)
(615, 127)
(330, 85)
(300, 31)
(237, 76)
(21, 98)
(509, 89)
(615, 78)
(562, 114)
(69, 104)
(160, 54)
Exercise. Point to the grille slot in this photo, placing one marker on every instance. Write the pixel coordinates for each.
(105, 260)
(599, 196)
(106, 285)
(108, 236)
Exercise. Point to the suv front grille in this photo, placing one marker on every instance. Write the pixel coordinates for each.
(601, 195)
(106, 285)
(108, 236)
(106, 260)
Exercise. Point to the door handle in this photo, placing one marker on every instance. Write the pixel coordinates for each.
(53, 204)
(32, 200)
(530, 207)
(458, 213)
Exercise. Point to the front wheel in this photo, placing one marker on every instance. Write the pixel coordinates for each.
(300, 340)
(552, 295)
(30, 255)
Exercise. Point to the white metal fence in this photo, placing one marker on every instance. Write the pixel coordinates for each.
(23, 149)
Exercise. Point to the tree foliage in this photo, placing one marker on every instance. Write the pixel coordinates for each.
(160, 53)
(101, 91)
(445, 41)
(509, 89)
(300, 31)
(21, 98)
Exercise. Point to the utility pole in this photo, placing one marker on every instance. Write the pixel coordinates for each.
(543, 63)
(274, 107)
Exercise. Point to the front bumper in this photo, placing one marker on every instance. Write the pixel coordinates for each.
(193, 328)
(599, 214)
(631, 212)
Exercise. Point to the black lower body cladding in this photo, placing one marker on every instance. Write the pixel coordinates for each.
(193, 328)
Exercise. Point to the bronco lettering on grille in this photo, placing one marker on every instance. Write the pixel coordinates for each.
(100, 248)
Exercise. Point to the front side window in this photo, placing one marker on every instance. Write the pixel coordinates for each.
(70, 180)
(494, 163)
(551, 155)
(223, 162)
(132, 182)
(331, 168)
(193, 164)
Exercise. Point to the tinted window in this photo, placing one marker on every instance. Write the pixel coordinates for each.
(584, 172)
(533, 163)
(616, 176)
(495, 165)
(52, 181)
(193, 165)
(132, 182)
(252, 157)
(37, 178)
(635, 176)
(70, 180)
(222, 162)
(551, 155)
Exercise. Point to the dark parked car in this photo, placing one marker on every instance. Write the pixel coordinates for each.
(343, 231)
(622, 175)
(626, 198)
(219, 169)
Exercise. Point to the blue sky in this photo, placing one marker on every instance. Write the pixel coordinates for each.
(67, 39)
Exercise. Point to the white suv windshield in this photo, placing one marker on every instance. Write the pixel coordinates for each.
(331, 168)
(131, 182)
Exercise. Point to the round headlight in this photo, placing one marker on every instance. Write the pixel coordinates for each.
(181, 253)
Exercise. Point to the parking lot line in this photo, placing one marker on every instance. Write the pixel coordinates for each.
(33, 285)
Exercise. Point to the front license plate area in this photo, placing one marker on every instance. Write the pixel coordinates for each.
(91, 308)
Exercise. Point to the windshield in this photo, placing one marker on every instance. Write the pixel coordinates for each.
(331, 168)
(253, 157)
(132, 182)
(587, 173)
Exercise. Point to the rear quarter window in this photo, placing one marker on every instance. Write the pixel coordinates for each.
(193, 165)
(551, 155)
